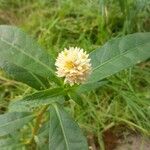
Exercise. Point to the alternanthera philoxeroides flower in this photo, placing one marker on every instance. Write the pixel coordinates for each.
(74, 65)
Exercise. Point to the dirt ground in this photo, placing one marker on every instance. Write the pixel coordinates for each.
(121, 141)
(134, 142)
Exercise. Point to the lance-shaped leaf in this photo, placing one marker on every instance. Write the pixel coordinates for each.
(25, 76)
(64, 133)
(8, 143)
(87, 87)
(119, 54)
(30, 102)
(21, 52)
(10, 122)
(76, 92)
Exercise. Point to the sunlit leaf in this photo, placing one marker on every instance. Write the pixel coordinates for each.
(10, 122)
(22, 53)
(119, 54)
(8, 143)
(64, 133)
(30, 102)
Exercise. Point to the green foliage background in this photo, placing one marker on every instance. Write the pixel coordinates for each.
(56, 24)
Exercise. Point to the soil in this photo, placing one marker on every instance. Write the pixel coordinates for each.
(134, 142)
(120, 139)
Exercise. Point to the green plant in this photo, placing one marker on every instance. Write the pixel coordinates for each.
(40, 120)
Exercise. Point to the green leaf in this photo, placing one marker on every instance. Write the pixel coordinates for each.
(119, 54)
(21, 52)
(64, 133)
(13, 121)
(87, 87)
(22, 75)
(76, 97)
(8, 143)
(30, 102)
(76, 93)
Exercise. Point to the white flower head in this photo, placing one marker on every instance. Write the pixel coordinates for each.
(74, 65)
